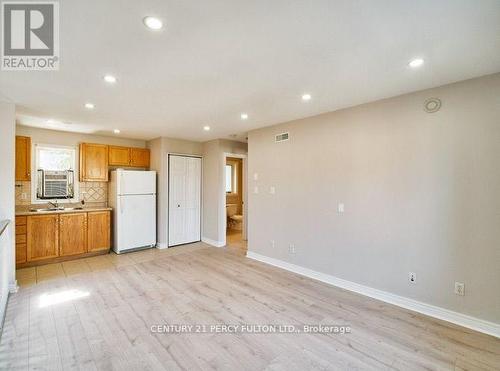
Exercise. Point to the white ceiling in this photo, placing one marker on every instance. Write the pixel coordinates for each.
(215, 59)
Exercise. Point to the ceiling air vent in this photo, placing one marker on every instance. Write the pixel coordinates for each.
(281, 137)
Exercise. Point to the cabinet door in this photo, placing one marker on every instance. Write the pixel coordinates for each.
(93, 162)
(42, 237)
(72, 234)
(23, 158)
(119, 156)
(139, 157)
(20, 253)
(99, 233)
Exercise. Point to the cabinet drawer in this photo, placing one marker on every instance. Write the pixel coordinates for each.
(20, 229)
(20, 220)
(21, 238)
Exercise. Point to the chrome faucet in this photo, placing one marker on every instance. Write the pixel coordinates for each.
(54, 204)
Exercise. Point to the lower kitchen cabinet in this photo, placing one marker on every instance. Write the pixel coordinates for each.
(21, 249)
(47, 238)
(99, 227)
(42, 237)
(72, 234)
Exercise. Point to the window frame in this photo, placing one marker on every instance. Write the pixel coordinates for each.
(34, 173)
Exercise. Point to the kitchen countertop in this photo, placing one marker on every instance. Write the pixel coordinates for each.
(66, 211)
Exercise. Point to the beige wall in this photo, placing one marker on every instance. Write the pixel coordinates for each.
(214, 211)
(65, 138)
(421, 194)
(160, 148)
(7, 153)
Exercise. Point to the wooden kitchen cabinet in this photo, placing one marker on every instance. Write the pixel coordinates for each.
(23, 158)
(93, 162)
(99, 227)
(119, 156)
(42, 237)
(139, 157)
(21, 230)
(49, 238)
(72, 234)
(129, 156)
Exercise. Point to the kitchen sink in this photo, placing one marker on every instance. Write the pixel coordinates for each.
(56, 209)
(47, 209)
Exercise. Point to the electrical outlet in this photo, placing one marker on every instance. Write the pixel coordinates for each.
(341, 208)
(24, 196)
(291, 248)
(412, 277)
(255, 189)
(272, 190)
(273, 244)
(460, 288)
(255, 176)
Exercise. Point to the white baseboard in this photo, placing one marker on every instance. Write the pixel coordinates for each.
(464, 320)
(13, 288)
(161, 245)
(213, 242)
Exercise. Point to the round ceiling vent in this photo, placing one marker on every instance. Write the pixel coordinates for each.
(432, 105)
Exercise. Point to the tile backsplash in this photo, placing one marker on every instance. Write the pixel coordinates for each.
(23, 193)
(94, 191)
(88, 191)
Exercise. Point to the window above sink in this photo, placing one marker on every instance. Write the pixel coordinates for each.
(49, 159)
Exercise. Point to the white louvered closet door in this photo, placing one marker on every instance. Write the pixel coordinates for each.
(184, 199)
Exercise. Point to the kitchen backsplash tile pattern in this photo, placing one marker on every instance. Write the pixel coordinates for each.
(89, 192)
(94, 191)
(23, 193)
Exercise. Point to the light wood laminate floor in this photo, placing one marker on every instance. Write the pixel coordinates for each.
(96, 314)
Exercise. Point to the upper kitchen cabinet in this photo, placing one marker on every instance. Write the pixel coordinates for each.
(139, 157)
(119, 156)
(23, 158)
(93, 162)
(128, 156)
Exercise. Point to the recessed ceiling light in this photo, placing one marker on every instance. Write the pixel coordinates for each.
(153, 23)
(116, 131)
(244, 116)
(206, 128)
(306, 97)
(416, 63)
(89, 105)
(110, 79)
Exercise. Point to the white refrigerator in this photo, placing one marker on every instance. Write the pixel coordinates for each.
(132, 195)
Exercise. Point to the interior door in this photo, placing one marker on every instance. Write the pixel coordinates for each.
(184, 199)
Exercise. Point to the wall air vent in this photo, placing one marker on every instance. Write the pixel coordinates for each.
(281, 137)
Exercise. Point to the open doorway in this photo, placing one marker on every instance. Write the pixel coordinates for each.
(234, 175)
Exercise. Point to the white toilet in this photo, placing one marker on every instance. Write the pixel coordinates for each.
(234, 220)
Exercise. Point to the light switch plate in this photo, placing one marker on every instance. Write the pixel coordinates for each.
(272, 190)
(255, 189)
(255, 176)
(341, 208)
